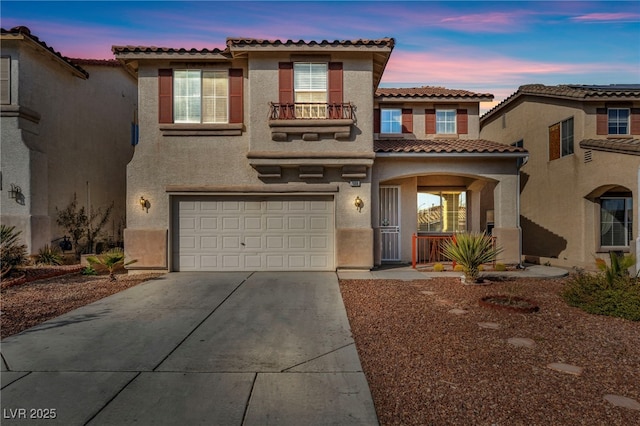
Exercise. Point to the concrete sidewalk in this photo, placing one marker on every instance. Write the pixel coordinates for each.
(407, 273)
(193, 348)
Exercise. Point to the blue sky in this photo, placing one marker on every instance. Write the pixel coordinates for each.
(481, 46)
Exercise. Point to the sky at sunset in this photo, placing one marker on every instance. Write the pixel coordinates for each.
(480, 46)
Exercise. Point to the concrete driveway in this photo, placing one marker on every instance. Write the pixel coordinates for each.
(194, 348)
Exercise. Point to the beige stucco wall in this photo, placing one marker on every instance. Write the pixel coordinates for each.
(560, 220)
(74, 139)
(163, 165)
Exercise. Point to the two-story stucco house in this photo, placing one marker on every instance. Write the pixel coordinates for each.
(281, 155)
(65, 129)
(579, 187)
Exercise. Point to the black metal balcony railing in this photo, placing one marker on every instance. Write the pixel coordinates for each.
(311, 111)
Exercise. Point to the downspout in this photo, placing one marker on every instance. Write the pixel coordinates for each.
(520, 249)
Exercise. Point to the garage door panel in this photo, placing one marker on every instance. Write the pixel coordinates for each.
(253, 234)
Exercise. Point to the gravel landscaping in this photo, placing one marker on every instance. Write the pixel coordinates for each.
(24, 305)
(433, 355)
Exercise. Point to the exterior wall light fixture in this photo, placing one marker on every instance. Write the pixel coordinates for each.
(358, 203)
(15, 193)
(144, 204)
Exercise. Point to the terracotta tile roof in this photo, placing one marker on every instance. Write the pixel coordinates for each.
(621, 145)
(26, 32)
(571, 91)
(245, 42)
(429, 92)
(242, 42)
(457, 146)
(154, 49)
(583, 91)
(98, 62)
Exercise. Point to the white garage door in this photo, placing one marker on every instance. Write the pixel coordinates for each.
(253, 234)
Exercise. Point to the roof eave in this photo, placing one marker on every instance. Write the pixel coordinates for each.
(453, 154)
(75, 69)
(424, 98)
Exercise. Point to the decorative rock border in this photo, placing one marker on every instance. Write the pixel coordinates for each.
(53, 272)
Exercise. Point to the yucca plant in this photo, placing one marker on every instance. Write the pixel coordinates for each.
(111, 260)
(12, 252)
(470, 250)
(48, 255)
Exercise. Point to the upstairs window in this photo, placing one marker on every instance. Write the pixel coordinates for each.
(445, 121)
(310, 90)
(5, 80)
(200, 96)
(391, 120)
(561, 139)
(618, 121)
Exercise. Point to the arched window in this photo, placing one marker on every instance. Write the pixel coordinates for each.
(616, 214)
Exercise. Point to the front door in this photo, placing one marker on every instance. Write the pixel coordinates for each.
(390, 223)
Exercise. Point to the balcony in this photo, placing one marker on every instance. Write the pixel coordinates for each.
(311, 120)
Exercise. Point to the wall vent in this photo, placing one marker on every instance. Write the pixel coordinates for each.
(588, 156)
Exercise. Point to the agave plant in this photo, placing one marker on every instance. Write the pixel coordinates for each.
(12, 252)
(49, 255)
(471, 250)
(111, 260)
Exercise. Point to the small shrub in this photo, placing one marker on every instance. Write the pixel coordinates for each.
(88, 270)
(596, 294)
(48, 255)
(438, 267)
(12, 252)
(481, 268)
(458, 268)
(500, 267)
(111, 260)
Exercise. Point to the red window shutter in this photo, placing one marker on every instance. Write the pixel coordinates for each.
(430, 121)
(376, 120)
(635, 121)
(602, 122)
(335, 82)
(165, 96)
(235, 95)
(285, 82)
(462, 121)
(407, 120)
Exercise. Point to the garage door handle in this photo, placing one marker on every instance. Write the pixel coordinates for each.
(242, 244)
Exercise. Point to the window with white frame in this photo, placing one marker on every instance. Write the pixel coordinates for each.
(391, 120)
(616, 213)
(561, 139)
(446, 121)
(310, 87)
(618, 121)
(201, 96)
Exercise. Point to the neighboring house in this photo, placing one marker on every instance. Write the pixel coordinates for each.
(65, 130)
(579, 187)
(267, 155)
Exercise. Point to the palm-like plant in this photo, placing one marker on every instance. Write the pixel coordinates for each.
(111, 260)
(619, 267)
(471, 250)
(12, 252)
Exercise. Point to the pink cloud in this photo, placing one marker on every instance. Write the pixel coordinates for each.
(607, 17)
(462, 69)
